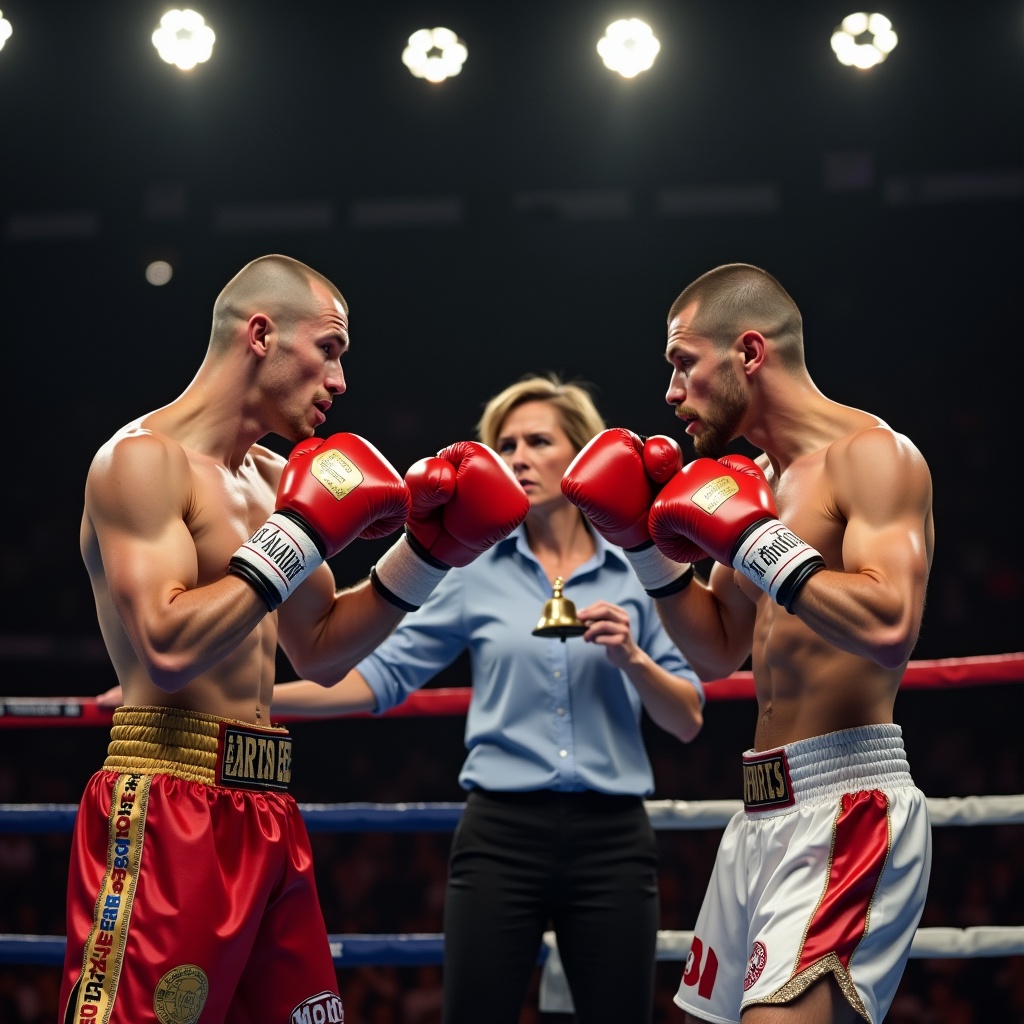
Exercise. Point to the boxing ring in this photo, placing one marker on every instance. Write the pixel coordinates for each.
(416, 949)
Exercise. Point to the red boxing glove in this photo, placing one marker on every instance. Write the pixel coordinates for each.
(726, 508)
(614, 479)
(463, 501)
(330, 492)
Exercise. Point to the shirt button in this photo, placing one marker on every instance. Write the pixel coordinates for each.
(559, 711)
(558, 674)
(563, 753)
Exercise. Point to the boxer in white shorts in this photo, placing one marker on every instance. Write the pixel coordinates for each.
(821, 549)
(824, 871)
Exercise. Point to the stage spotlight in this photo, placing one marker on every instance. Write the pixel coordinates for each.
(434, 54)
(863, 40)
(184, 39)
(159, 272)
(5, 30)
(628, 47)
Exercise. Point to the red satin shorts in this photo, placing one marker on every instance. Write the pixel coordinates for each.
(191, 895)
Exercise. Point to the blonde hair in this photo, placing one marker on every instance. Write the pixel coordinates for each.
(576, 409)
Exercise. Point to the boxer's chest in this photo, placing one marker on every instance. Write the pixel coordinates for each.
(225, 511)
(806, 503)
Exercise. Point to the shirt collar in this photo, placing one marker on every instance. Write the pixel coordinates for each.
(516, 541)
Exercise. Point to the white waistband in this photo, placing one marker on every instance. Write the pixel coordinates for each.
(867, 757)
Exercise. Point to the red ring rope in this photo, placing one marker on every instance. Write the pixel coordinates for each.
(939, 673)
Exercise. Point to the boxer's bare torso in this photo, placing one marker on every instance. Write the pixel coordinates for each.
(805, 684)
(210, 508)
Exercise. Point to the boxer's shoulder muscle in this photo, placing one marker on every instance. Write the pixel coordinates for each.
(135, 471)
(877, 464)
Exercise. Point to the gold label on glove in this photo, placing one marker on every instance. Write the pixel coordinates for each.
(713, 493)
(336, 472)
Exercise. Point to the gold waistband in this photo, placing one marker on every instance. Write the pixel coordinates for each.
(186, 744)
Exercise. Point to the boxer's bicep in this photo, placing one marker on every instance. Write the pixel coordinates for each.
(884, 490)
(135, 496)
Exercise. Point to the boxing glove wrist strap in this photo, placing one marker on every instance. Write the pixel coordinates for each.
(277, 557)
(776, 559)
(658, 574)
(403, 578)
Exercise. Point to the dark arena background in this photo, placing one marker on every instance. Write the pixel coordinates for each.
(536, 212)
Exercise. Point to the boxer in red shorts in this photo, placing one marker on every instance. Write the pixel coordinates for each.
(191, 895)
(174, 930)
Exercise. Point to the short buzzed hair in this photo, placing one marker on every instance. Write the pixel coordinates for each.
(278, 285)
(740, 297)
(576, 409)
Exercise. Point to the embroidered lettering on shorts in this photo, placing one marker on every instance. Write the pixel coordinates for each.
(104, 949)
(766, 781)
(323, 1008)
(253, 758)
(755, 964)
(181, 994)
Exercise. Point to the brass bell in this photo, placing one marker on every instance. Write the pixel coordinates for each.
(559, 617)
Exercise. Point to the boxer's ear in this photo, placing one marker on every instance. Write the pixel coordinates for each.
(752, 346)
(259, 331)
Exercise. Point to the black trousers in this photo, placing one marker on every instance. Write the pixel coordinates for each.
(584, 864)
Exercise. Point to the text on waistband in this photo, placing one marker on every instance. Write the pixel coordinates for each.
(254, 759)
(766, 781)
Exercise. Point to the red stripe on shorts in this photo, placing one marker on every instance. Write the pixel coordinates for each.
(860, 848)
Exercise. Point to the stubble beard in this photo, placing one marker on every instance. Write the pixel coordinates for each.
(730, 403)
(295, 428)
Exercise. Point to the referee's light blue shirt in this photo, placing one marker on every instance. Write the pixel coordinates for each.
(543, 714)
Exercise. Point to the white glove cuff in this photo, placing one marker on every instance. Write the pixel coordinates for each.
(403, 578)
(776, 559)
(658, 574)
(276, 558)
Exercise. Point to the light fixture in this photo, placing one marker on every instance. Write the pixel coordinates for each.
(628, 47)
(434, 54)
(863, 40)
(159, 272)
(184, 39)
(5, 30)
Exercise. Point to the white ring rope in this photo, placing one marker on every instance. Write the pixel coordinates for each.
(950, 810)
(928, 944)
(671, 815)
